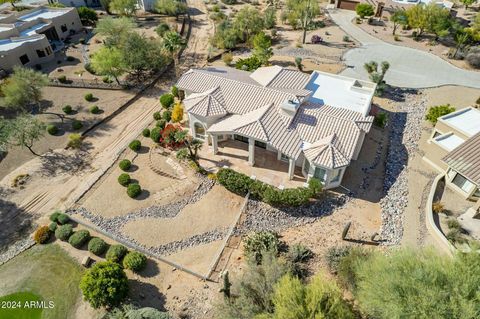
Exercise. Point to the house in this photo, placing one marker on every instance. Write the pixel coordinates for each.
(32, 37)
(81, 3)
(454, 149)
(316, 122)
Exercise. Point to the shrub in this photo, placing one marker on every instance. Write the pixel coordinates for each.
(42, 235)
(174, 91)
(79, 238)
(125, 164)
(133, 190)
(364, 10)
(67, 109)
(124, 179)
(161, 124)
(135, 261)
(438, 207)
(76, 125)
(116, 252)
(248, 64)
(455, 236)
(167, 100)
(63, 232)
(105, 284)
(94, 109)
(146, 132)
(177, 113)
(155, 134)
(347, 266)
(162, 29)
(167, 115)
(74, 141)
(380, 119)
(63, 219)
(52, 227)
(135, 145)
(89, 97)
(62, 79)
(182, 153)
(473, 57)
(88, 16)
(54, 216)
(299, 253)
(453, 224)
(298, 63)
(346, 38)
(334, 255)
(437, 111)
(227, 58)
(257, 243)
(157, 116)
(97, 246)
(52, 129)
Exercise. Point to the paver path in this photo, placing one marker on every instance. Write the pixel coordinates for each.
(408, 67)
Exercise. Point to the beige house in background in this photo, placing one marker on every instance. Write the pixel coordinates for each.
(454, 149)
(316, 122)
(32, 37)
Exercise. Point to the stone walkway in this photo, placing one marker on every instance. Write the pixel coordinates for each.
(408, 67)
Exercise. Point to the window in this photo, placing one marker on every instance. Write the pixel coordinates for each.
(49, 50)
(24, 59)
(241, 138)
(320, 174)
(463, 183)
(477, 193)
(284, 157)
(41, 53)
(199, 130)
(336, 175)
(64, 28)
(261, 144)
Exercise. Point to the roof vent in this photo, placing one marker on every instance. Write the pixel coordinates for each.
(290, 107)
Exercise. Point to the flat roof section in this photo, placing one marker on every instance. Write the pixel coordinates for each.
(340, 91)
(449, 141)
(33, 29)
(466, 120)
(43, 13)
(8, 44)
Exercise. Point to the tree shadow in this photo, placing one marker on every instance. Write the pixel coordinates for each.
(54, 163)
(151, 270)
(146, 295)
(143, 195)
(398, 94)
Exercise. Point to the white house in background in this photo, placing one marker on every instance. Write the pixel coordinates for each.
(31, 37)
(81, 3)
(317, 122)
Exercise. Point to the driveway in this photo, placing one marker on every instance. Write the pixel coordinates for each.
(408, 67)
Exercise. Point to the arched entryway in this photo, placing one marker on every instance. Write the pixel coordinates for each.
(200, 131)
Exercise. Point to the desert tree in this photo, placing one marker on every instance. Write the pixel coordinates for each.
(125, 8)
(248, 22)
(173, 43)
(114, 30)
(108, 61)
(377, 76)
(193, 145)
(24, 131)
(262, 47)
(303, 11)
(398, 17)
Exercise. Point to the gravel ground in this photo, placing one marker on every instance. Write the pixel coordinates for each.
(406, 130)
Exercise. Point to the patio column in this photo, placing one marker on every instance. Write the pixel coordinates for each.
(251, 151)
(215, 144)
(291, 168)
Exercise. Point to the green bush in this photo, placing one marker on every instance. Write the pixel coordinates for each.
(94, 109)
(453, 224)
(437, 111)
(364, 10)
(135, 145)
(62, 79)
(124, 179)
(42, 235)
(79, 238)
(134, 190)
(116, 252)
(76, 125)
(89, 97)
(52, 129)
(174, 91)
(248, 64)
(157, 116)
(146, 132)
(54, 216)
(125, 164)
(299, 253)
(155, 134)
(380, 120)
(63, 232)
(63, 219)
(67, 109)
(167, 100)
(97, 246)
(167, 115)
(334, 255)
(348, 264)
(162, 29)
(52, 226)
(258, 243)
(135, 261)
(161, 124)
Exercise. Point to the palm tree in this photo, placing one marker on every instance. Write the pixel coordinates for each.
(173, 42)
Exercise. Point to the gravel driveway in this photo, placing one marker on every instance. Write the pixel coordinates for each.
(408, 67)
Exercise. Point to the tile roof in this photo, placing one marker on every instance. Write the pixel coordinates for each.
(465, 159)
(324, 152)
(209, 103)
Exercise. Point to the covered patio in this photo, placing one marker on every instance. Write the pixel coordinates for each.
(266, 165)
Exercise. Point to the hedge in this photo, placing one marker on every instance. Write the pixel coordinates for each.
(63, 232)
(42, 234)
(79, 238)
(97, 246)
(242, 184)
(125, 164)
(116, 252)
(135, 261)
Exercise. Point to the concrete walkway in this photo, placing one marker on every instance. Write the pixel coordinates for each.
(408, 67)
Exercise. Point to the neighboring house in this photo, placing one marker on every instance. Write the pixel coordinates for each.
(81, 3)
(147, 5)
(317, 122)
(32, 37)
(454, 149)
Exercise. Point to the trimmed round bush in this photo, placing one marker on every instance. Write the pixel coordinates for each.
(52, 129)
(125, 164)
(167, 115)
(67, 109)
(63, 232)
(52, 226)
(157, 116)
(42, 235)
(94, 109)
(79, 238)
(76, 125)
(473, 57)
(63, 219)
(135, 261)
(146, 132)
(155, 134)
(97, 246)
(89, 97)
(133, 190)
(167, 100)
(161, 124)
(116, 252)
(135, 145)
(54, 216)
(174, 91)
(124, 179)
(62, 79)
